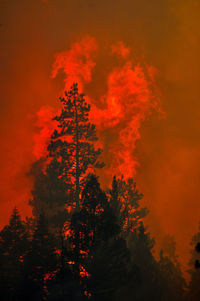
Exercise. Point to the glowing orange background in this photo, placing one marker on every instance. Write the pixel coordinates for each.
(163, 33)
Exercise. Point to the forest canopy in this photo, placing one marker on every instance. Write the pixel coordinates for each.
(84, 242)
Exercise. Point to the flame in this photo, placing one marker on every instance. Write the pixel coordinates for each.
(130, 99)
(77, 63)
(46, 125)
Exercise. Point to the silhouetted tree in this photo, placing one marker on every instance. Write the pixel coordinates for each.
(173, 284)
(115, 201)
(102, 261)
(146, 282)
(197, 262)
(194, 287)
(124, 200)
(63, 285)
(140, 245)
(40, 263)
(71, 153)
(13, 247)
(49, 195)
(72, 143)
(154, 280)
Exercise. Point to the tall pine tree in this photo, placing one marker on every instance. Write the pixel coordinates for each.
(72, 144)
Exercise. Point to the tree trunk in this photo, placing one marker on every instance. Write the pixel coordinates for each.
(77, 195)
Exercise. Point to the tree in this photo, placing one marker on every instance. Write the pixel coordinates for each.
(71, 154)
(140, 245)
(197, 262)
(144, 281)
(194, 288)
(115, 201)
(49, 195)
(173, 284)
(40, 263)
(102, 260)
(13, 247)
(124, 200)
(173, 281)
(71, 143)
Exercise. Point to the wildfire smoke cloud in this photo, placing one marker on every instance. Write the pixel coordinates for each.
(118, 114)
(167, 32)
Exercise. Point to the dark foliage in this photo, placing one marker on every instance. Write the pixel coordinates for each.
(40, 263)
(193, 293)
(13, 248)
(72, 143)
(82, 243)
(97, 247)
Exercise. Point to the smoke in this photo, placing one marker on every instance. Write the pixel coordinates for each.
(129, 99)
(76, 63)
(167, 33)
(46, 126)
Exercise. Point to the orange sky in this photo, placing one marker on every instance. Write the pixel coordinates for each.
(164, 33)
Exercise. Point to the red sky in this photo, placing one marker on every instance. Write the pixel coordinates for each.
(160, 33)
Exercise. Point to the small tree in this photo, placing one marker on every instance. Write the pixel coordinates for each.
(147, 285)
(13, 248)
(194, 271)
(72, 143)
(172, 282)
(40, 263)
(124, 200)
(49, 195)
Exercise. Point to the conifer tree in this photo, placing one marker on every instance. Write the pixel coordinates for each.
(103, 257)
(72, 143)
(71, 153)
(172, 283)
(143, 262)
(49, 195)
(197, 262)
(124, 200)
(40, 263)
(115, 201)
(13, 247)
(194, 287)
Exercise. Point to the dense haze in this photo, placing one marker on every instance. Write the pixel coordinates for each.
(166, 35)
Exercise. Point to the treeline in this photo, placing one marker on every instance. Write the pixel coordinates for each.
(84, 243)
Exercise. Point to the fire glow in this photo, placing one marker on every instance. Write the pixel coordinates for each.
(118, 114)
